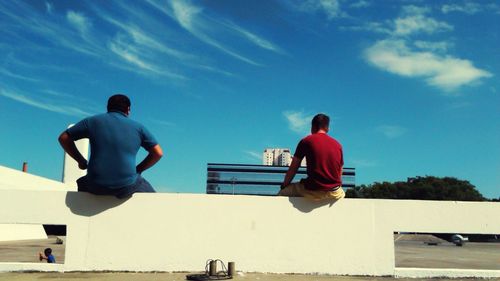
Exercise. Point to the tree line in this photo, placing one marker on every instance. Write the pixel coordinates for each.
(420, 188)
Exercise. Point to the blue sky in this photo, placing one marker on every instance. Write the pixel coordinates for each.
(411, 86)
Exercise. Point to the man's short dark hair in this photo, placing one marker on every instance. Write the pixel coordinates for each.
(118, 103)
(47, 251)
(320, 121)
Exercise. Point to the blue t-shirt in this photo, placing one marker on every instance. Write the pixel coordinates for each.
(114, 142)
(51, 259)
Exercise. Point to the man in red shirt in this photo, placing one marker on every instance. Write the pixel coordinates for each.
(324, 165)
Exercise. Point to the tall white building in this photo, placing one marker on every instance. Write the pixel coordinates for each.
(277, 157)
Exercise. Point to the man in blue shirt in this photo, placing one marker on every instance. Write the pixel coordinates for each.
(114, 142)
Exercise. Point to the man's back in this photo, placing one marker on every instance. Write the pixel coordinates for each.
(114, 141)
(324, 161)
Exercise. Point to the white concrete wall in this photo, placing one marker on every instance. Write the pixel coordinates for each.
(179, 232)
(11, 179)
(11, 232)
(17, 180)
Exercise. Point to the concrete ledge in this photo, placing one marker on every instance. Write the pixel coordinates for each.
(179, 232)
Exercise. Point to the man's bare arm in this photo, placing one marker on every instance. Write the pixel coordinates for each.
(155, 153)
(292, 170)
(69, 146)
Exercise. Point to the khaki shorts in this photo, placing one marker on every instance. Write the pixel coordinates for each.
(298, 190)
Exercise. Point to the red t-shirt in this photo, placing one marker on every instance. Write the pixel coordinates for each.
(324, 161)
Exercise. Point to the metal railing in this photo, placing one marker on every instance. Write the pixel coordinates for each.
(257, 179)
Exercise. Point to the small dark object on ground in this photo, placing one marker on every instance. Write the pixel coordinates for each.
(210, 267)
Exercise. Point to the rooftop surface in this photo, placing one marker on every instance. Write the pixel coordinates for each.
(182, 276)
(411, 251)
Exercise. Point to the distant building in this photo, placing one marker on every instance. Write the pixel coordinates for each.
(279, 157)
(276, 157)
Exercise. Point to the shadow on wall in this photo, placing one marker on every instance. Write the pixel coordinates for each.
(306, 206)
(86, 204)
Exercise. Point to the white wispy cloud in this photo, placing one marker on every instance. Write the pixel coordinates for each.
(375, 27)
(415, 10)
(391, 131)
(471, 8)
(29, 21)
(142, 39)
(255, 39)
(360, 4)
(27, 65)
(57, 94)
(136, 51)
(402, 55)
(189, 17)
(441, 46)
(298, 121)
(415, 20)
(444, 72)
(467, 8)
(186, 14)
(53, 106)
(155, 44)
(79, 21)
(254, 155)
(208, 29)
(132, 55)
(6, 72)
(411, 21)
(331, 8)
(49, 7)
(213, 69)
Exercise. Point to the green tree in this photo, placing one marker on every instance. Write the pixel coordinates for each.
(354, 192)
(423, 188)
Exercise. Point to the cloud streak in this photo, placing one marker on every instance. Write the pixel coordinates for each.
(79, 21)
(297, 121)
(129, 49)
(49, 7)
(469, 8)
(47, 105)
(445, 72)
(257, 40)
(254, 155)
(34, 23)
(441, 46)
(130, 54)
(9, 73)
(330, 8)
(419, 23)
(401, 55)
(360, 4)
(146, 44)
(189, 17)
(412, 20)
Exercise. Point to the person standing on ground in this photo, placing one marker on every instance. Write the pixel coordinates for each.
(114, 142)
(324, 165)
